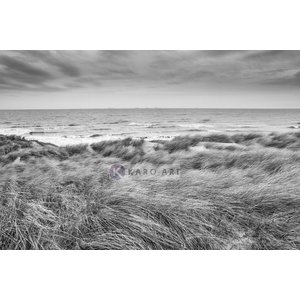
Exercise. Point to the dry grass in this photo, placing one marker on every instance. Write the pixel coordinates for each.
(234, 192)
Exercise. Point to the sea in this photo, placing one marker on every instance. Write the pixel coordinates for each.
(63, 127)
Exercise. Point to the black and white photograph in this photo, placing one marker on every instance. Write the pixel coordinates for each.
(150, 150)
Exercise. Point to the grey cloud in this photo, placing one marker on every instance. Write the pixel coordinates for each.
(19, 75)
(288, 80)
(14, 64)
(69, 70)
(115, 54)
(273, 57)
(64, 70)
(50, 58)
(297, 76)
(223, 53)
(260, 55)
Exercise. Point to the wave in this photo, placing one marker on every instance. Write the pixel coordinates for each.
(161, 126)
(95, 135)
(116, 122)
(101, 129)
(122, 134)
(42, 132)
(21, 126)
(140, 124)
(244, 126)
(195, 125)
(14, 131)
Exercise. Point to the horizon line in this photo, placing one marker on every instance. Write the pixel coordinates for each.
(136, 108)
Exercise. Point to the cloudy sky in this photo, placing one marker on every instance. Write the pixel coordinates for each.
(129, 79)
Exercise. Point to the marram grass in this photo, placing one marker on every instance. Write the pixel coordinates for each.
(234, 192)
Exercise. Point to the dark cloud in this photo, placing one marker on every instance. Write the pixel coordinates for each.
(53, 58)
(292, 80)
(260, 55)
(68, 69)
(297, 77)
(220, 53)
(18, 75)
(115, 54)
(19, 66)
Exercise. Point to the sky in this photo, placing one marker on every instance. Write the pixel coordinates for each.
(148, 79)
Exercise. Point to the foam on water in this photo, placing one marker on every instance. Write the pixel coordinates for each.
(64, 127)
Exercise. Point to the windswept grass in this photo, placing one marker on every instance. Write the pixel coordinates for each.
(127, 149)
(234, 192)
(286, 140)
(76, 149)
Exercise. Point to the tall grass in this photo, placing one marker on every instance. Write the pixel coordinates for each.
(63, 198)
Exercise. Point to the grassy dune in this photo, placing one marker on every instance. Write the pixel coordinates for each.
(233, 192)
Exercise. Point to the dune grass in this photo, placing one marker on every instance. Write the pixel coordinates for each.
(233, 192)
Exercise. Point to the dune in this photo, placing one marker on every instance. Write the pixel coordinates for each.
(238, 191)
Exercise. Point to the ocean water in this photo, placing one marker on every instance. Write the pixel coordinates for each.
(64, 127)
